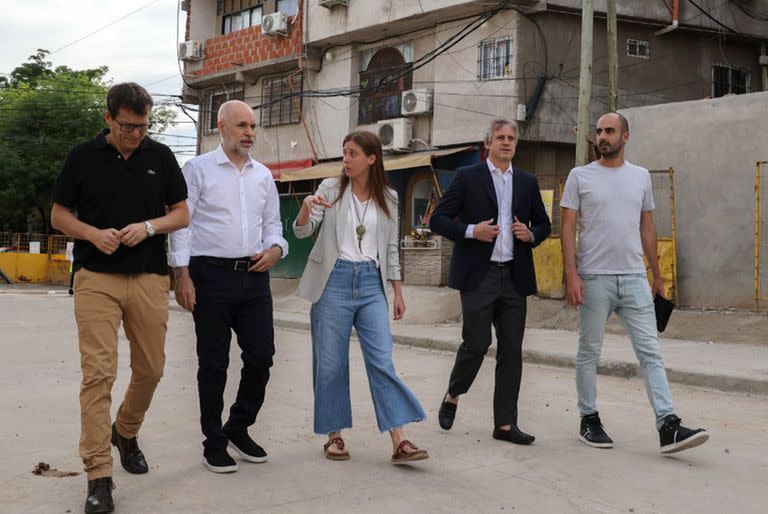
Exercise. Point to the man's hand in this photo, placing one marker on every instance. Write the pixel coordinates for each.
(521, 231)
(398, 306)
(184, 289)
(106, 240)
(133, 234)
(263, 261)
(485, 231)
(574, 289)
(657, 286)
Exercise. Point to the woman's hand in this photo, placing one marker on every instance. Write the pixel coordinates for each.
(399, 306)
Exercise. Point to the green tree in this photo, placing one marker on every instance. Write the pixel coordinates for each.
(44, 112)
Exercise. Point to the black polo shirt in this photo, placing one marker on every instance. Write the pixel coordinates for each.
(107, 191)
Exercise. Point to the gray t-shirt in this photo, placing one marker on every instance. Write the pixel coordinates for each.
(609, 201)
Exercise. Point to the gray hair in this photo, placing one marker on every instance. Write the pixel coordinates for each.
(496, 124)
(224, 108)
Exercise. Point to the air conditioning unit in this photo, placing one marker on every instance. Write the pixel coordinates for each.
(190, 51)
(332, 3)
(395, 134)
(275, 24)
(416, 102)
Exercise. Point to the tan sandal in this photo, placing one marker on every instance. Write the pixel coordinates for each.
(339, 442)
(401, 456)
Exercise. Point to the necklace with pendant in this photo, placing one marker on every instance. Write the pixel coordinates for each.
(360, 228)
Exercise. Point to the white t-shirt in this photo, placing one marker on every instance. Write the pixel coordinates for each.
(609, 202)
(348, 247)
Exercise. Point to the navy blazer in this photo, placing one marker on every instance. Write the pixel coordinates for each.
(470, 199)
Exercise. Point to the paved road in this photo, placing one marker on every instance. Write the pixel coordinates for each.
(468, 471)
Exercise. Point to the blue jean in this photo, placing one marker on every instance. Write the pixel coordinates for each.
(629, 296)
(354, 296)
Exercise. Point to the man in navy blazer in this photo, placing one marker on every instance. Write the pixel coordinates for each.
(494, 214)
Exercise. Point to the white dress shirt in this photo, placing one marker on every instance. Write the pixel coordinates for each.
(503, 246)
(234, 213)
(348, 247)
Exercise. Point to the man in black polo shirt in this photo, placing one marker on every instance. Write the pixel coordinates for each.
(117, 195)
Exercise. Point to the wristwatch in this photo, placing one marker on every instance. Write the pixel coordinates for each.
(533, 239)
(150, 229)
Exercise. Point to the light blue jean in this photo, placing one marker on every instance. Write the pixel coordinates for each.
(629, 296)
(354, 296)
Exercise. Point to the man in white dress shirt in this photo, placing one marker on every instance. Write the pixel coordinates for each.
(221, 266)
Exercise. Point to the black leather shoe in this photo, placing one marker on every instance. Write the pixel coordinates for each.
(513, 435)
(131, 458)
(99, 498)
(446, 414)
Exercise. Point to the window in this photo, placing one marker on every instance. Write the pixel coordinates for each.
(494, 59)
(281, 100)
(215, 99)
(728, 80)
(241, 20)
(637, 48)
(381, 85)
(289, 7)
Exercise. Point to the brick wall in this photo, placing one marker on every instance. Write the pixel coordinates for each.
(249, 46)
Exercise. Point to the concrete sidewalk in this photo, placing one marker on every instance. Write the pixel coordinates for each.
(723, 366)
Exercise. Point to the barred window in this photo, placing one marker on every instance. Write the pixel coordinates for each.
(637, 48)
(729, 80)
(281, 100)
(215, 99)
(381, 85)
(494, 61)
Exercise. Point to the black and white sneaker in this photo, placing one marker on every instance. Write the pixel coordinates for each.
(592, 432)
(674, 437)
(247, 448)
(218, 460)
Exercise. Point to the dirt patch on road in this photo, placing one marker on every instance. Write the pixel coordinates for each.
(44, 469)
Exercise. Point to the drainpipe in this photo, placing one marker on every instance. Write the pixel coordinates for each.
(675, 20)
(764, 64)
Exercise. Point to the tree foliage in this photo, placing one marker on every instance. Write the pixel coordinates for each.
(44, 112)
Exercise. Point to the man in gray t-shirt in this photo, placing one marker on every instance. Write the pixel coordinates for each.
(612, 201)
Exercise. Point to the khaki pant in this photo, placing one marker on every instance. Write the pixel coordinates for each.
(102, 301)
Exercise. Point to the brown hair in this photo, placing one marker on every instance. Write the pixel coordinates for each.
(378, 184)
(128, 95)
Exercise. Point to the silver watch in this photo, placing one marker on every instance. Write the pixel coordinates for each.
(150, 229)
(533, 239)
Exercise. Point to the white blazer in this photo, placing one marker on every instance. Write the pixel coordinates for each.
(323, 256)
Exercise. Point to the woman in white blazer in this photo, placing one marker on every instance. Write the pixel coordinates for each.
(355, 252)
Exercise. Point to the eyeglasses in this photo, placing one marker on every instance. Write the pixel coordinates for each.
(127, 128)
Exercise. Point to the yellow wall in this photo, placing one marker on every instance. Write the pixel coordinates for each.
(33, 268)
(548, 261)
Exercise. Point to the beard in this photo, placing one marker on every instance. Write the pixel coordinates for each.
(608, 150)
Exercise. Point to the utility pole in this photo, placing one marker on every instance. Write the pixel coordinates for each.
(613, 58)
(585, 81)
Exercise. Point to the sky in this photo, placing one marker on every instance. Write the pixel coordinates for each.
(140, 47)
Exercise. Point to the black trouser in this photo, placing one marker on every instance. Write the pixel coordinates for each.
(494, 302)
(227, 300)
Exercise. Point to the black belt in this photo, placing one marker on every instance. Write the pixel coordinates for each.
(502, 264)
(236, 264)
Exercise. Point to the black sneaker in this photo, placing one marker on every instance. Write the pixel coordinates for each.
(218, 460)
(674, 437)
(592, 432)
(99, 497)
(247, 448)
(131, 457)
